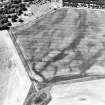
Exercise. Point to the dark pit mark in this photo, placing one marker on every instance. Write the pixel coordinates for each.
(83, 99)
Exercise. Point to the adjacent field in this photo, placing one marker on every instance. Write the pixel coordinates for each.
(14, 81)
(81, 93)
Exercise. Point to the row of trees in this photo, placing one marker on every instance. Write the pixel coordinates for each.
(30, 1)
(13, 8)
(87, 3)
(4, 22)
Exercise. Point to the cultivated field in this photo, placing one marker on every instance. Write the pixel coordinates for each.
(66, 42)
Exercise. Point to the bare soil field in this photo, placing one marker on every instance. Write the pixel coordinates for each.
(81, 93)
(65, 42)
(14, 81)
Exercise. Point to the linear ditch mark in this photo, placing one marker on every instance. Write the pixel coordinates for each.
(69, 79)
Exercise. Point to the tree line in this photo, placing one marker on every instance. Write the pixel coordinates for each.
(11, 11)
(85, 3)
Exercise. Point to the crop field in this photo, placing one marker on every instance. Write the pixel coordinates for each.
(65, 42)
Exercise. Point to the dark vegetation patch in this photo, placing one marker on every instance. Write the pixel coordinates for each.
(10, 12)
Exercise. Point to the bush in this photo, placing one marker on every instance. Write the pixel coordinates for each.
(12, 10)
(8, 6)
(16, 1)
(9, 16)
(26, 0)
(4, 20)
(28, 5)
(24, 8)
(4, 26)
(21, 21)
(14, 17)
(14, 20)
(9, 24)
(40, 98)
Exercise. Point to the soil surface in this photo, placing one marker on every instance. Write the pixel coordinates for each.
(14, 81)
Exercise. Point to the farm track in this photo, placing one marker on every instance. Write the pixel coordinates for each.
(72, 79)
